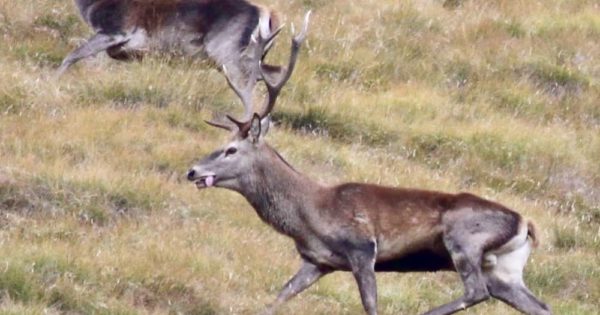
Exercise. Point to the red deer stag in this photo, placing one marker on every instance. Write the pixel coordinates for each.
(216, 29)
(365, 228)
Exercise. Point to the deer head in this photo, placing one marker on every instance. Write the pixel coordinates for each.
(228, 166)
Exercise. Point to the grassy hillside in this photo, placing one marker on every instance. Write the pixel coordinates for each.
(499, 98)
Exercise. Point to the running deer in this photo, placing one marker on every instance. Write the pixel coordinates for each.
(365, 228)
(215, 29)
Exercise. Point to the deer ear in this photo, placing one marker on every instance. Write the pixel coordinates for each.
(255, 128)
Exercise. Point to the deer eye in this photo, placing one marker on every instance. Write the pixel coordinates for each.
(230, 151)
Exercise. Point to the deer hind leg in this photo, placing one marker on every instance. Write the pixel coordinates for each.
(505, 282)
(468, 267)
(97, 43)
(517, 296)
(466, 250)
(304, 278)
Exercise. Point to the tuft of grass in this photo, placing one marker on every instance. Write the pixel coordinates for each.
(12, 100)
(185, 300)
(42, 53)
(336, 72)
(441, 149)
(585, 211)
(434, 149)
(62, 26)
(556, 79)
(91, 201)
(515, 29)
(18, 284)
(180, 119)
(318, 121)
(121, 95)
(520, 104)
(565, 239)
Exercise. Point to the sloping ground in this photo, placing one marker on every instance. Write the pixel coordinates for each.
(499, 98)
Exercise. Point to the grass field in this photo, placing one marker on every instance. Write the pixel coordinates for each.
(499, 98)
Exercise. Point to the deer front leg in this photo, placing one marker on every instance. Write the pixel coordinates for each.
(307, 275)
(362, 261)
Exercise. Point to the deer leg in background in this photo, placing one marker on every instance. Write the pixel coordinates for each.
(362, 262)
(304, 278)
(96, 44)
(517, 296)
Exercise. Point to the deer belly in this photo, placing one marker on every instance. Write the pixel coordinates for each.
(170, 41)
(177, 41)
(414, 251)
(395, 246)
(421, 260)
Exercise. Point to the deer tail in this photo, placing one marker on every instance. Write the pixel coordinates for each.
(532, 233)
(268, 21)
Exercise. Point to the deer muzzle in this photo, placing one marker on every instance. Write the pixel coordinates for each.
(201, 180)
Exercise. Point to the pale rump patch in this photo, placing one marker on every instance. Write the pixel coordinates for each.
(137, 40)
(507, 262)
(267, 24)
(515, 242)
(264, 22)
(509, 266)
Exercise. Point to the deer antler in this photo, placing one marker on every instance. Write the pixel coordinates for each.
(273, 89)
(254, 55)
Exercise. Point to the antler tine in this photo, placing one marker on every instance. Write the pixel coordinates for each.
(269, 41)
(244, 93)
(218, 125)
(273, 89)
(256, 50)
(255, 53)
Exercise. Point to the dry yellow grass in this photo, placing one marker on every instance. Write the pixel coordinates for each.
(499, 98)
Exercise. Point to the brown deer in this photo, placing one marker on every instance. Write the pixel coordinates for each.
(364, 228)
(218, 30)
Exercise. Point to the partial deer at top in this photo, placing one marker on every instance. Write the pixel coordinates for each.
(219, 30)
(364, 228)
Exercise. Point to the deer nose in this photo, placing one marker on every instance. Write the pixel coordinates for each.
(191, 174)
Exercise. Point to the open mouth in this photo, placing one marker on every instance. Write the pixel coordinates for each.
(205, 181)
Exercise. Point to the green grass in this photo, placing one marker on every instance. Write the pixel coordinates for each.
(497, 98)
(317, 121)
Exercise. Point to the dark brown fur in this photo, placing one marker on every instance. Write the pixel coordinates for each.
(152, 14)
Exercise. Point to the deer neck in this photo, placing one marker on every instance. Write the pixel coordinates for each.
(279, 194)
